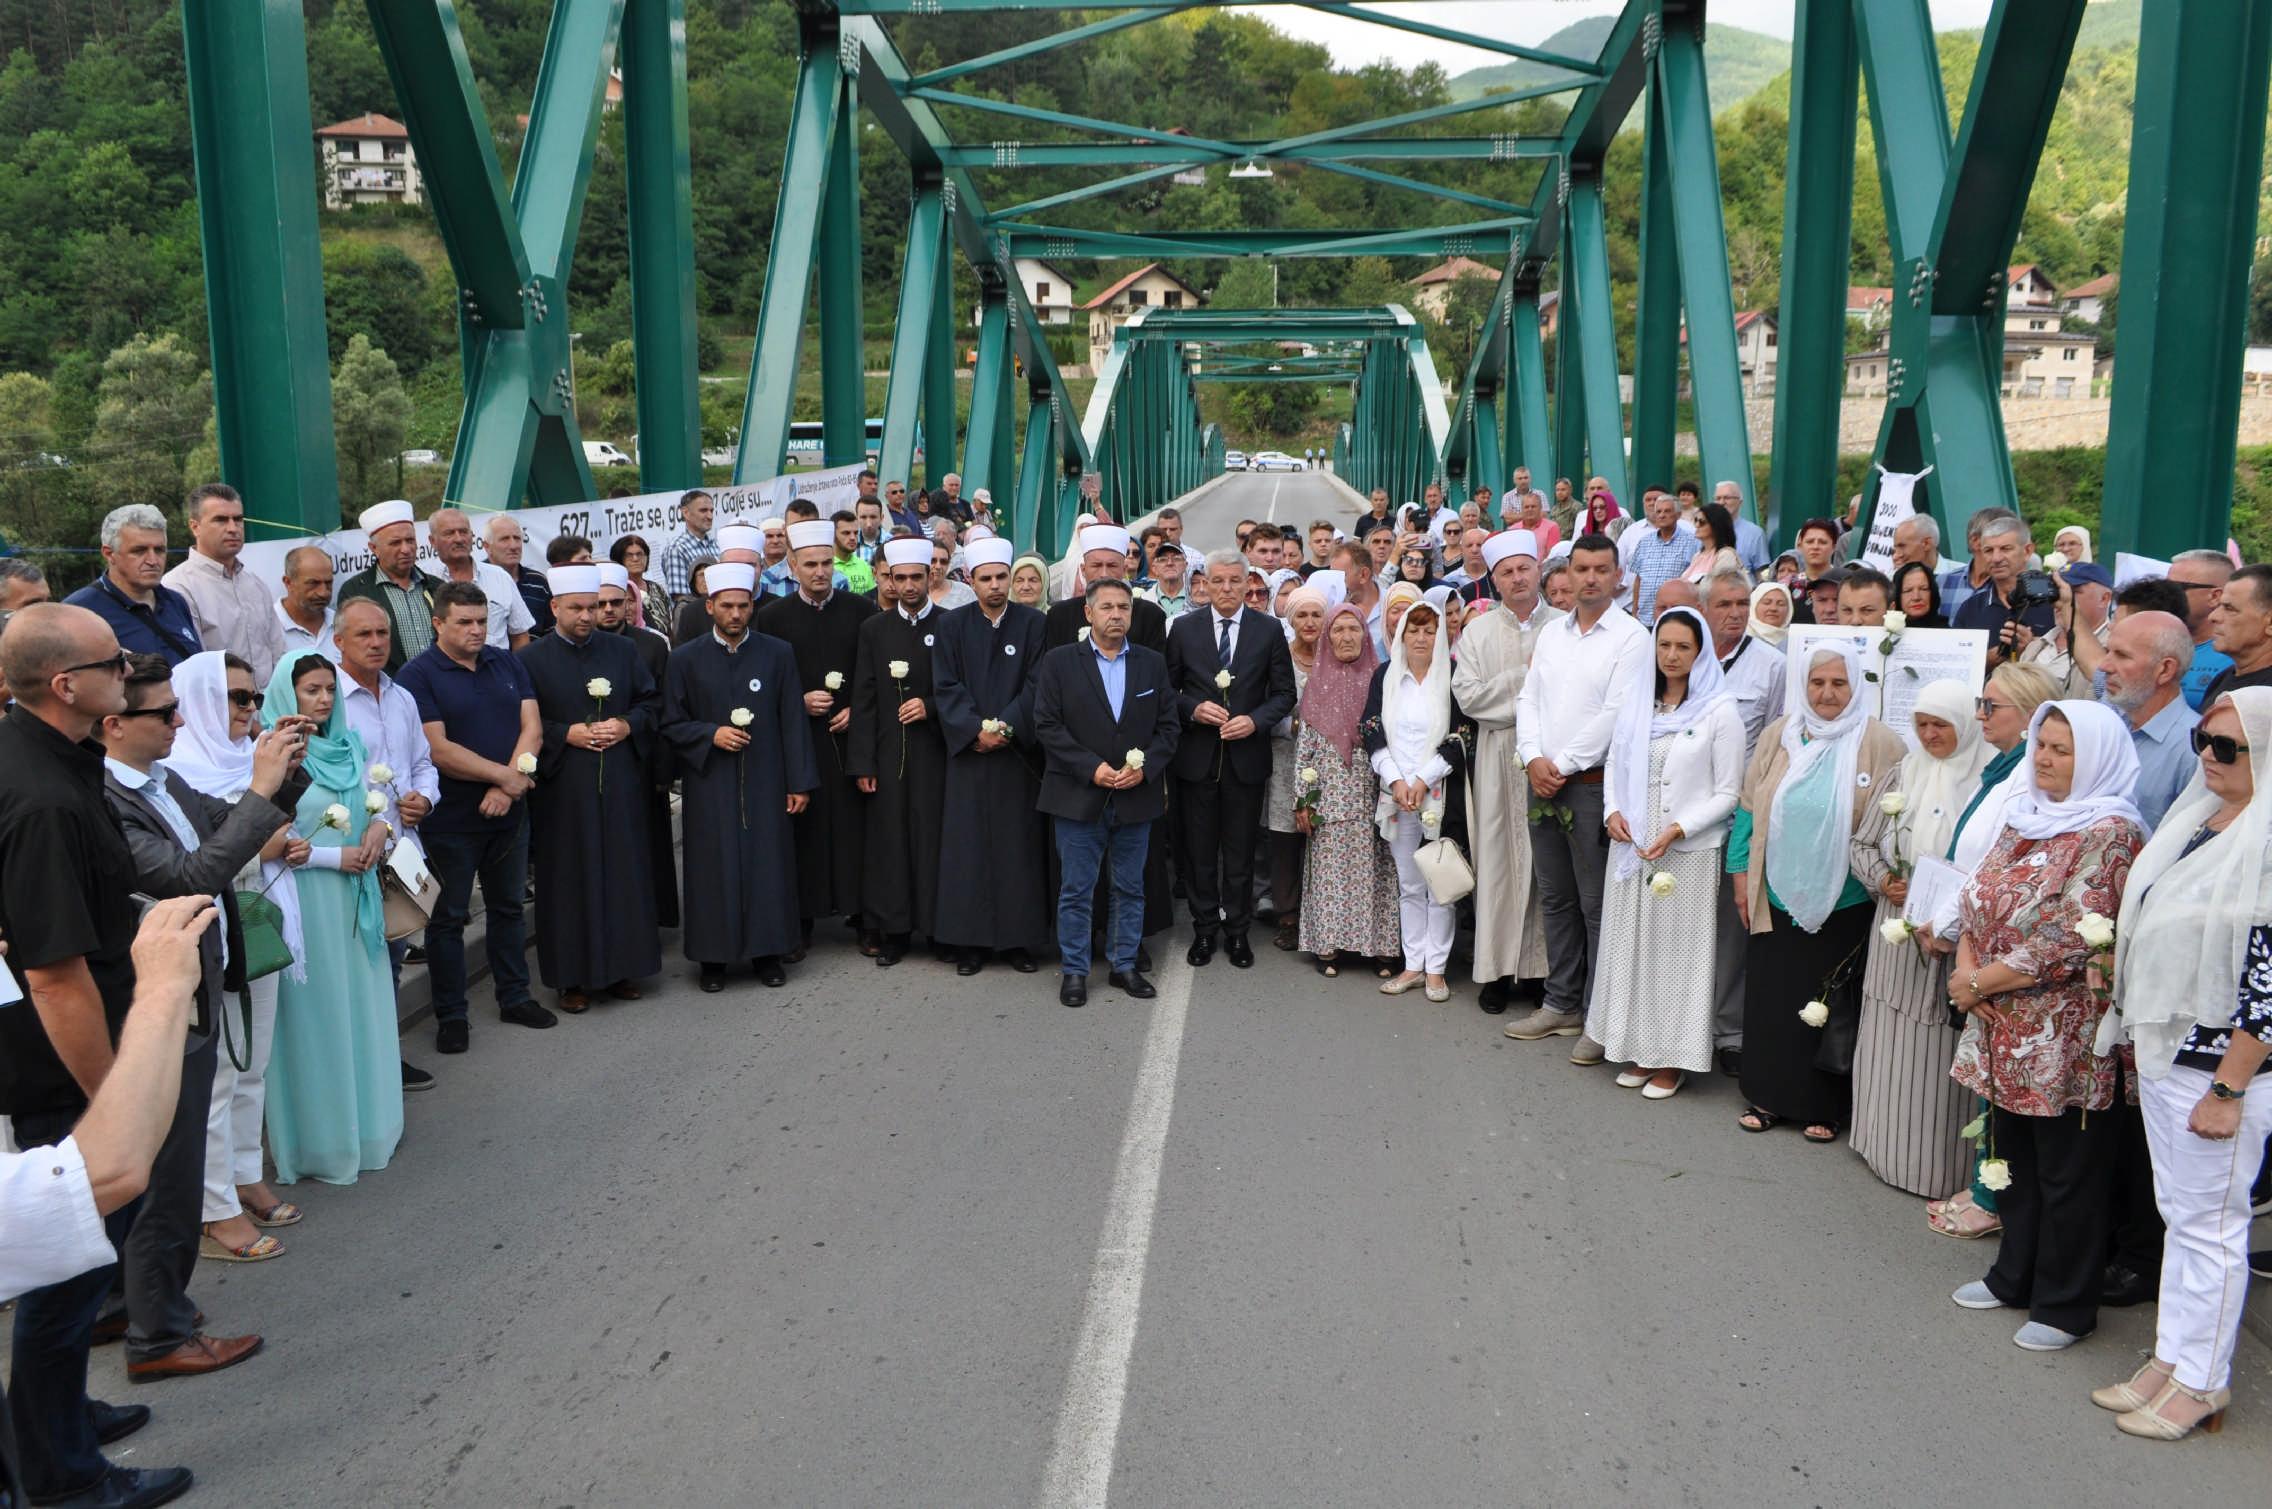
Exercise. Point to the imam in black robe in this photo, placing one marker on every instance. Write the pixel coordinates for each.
(662, 861)
(1147, 626)
(740, 852)
(829, 831)
(899, 894)
(993, 852)
(595, 925)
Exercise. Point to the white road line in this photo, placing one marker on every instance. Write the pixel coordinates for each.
(1079, 1474)
(1272, 516)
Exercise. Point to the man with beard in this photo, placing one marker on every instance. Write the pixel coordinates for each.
(898, 758)
(654, 654)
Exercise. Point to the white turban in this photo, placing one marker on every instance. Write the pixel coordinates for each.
(990, 551)
(613, 575)
(1104, 537)
(568, 581)
(730, 576)
(915, 552)
(741, 537)
(1508, 542)
(812, 534)
(379, 515)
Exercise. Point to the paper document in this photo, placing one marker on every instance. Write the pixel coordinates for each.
(1933, 886)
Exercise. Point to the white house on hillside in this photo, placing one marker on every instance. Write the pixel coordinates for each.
(368, 160)
(1048, 288)
(1148, 287)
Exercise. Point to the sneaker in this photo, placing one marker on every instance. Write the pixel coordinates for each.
(1547, 1022)
(1977, 1296)
(2035, 1336)
(1587, 1053)
(415, 1078)
(526, 1014)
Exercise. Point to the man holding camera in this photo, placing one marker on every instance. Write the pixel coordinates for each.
(2016, 605)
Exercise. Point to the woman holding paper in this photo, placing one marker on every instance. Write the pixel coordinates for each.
(2193, 997)
(1908, 1114)
(1815, 777)
(2070, 833)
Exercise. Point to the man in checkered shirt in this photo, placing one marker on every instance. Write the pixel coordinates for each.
(690, 545)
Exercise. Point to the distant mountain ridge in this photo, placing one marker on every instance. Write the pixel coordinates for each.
(1737, 62)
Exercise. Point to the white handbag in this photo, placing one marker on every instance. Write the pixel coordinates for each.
(1450, 877)
(408, 889)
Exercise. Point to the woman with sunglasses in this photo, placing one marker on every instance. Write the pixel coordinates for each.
(335, 1077)
(2193, 1002)
(2013, 694)
(212, 753)
(2070, 832)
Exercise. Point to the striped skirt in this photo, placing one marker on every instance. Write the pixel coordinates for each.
(1907, 1111)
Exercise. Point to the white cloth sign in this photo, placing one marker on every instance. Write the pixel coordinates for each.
(653, 516)
(1919, 658)
(1897, 492)
(2130, 568)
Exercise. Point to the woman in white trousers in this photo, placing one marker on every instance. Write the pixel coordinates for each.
(1409, 736)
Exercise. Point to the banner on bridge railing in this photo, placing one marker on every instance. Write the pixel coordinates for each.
(651, 516)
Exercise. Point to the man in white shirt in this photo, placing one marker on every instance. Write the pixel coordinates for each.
(230, 604)
(303, 613)
(1564, 716)
(450, 532)
(385, 717)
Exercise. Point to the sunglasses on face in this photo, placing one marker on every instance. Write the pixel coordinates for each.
(2222, 748)
(164, 710)
(247, 699)
(1988, 707)
(116, 663)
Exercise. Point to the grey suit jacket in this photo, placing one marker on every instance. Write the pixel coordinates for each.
(229, 836)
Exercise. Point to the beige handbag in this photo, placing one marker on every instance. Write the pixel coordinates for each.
(1450, 877)
(409, 890)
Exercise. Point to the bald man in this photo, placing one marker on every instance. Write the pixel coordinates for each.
(304, 614)
(450, 532)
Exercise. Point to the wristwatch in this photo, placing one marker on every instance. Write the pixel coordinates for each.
(2223, 1091)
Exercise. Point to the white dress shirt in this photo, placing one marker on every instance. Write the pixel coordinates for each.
(1567, 709)
(1755, 680)
(49, 1227)
(1215, 624)
(392, 735)
(231, 607)
(298, 641)
(508, 610)
(1406, 754)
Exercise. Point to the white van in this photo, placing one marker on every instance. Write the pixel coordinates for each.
(600, 453)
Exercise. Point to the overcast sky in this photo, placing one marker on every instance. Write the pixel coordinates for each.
(1354, 43)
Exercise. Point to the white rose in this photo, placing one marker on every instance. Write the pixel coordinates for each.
(2055, 561)
(1896, 621)
(1814, 1013)
(1222, 681)
(599, 687)
(2095, 930)
(1431, 817)
(1661, 883)
(335, 816)
(1895, 930)
(834, 681)
(1892, 804)
(381, 776)
(741, 717)
(526, 764)
(1309, 775)
(374, 803)
(1084, 635)
(1134, 759)
(897, 670)
(1995, 1174)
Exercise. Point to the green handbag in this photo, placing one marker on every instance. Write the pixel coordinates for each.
(263, 924)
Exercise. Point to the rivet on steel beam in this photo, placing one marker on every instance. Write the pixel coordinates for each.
(848, 54)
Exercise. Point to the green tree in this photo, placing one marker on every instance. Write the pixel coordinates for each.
(375, 289)
(370, 414)
(1370, 281)
(149, 415)
(27, 446)
(1245, 284)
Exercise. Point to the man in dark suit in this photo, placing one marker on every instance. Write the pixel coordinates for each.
(1234, 680)
(1105, 714)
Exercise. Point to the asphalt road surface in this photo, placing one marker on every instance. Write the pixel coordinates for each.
(899, 1238)
(1288, 499)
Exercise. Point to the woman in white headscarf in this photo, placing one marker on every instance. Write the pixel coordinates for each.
(1815, 776)
(1675, 764)
(2070, 833)
(1409, 732)
(1908, 1115)
(220, 705)
(2193, 998)
(2073, 542)
(1771, 613)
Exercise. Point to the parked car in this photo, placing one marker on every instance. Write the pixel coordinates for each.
(601, 453)
(422, 458)
(721, 455)
(1234, 461)
(1274, 461)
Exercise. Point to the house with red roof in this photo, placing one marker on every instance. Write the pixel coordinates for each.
(367, 160)
(1148, 287)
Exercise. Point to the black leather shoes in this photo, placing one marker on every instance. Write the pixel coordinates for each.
(770, 973)
(128, 1488)
(1730, 1061)
(1022, 962)
(1073, 990)
(115, 1422)
(890, 951)
(452, 1036)
(713, 978)
(1143, 958)
(1201, 952)
(2123, 1286)
(1493, 997)
(1133, 984)
(1238, 951)
(970, 963)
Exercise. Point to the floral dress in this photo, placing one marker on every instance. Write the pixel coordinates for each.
(1349, 893)
(2021, 909)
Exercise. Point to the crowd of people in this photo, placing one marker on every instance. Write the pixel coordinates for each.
(1570, 750)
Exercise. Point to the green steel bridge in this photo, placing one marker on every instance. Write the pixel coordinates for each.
(1953, 204)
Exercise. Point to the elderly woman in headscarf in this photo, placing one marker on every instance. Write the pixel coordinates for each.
(335, 1075)
(1029, 581)
(1771, 612)
(1305, 628)
(1814, 777)
(2193, 999)
(1349, 890)
(1675, 764)
(1396, 601)
(2073, 542)
(1282, 583)
(1411, 735)
(212, 753)
(2059, 866)
(1908, 1116)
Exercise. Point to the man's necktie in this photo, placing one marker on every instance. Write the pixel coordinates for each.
(1223, 643)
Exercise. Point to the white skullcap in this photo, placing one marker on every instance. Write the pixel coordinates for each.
(1104, 537)
(379, 515)
(568, 581)
(1561, 551)
(729, 576)
(812, 534)
(990, 551)
(772, 526)
(916, 552)
(613, 575)
(740, 537)
(1508, 542)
